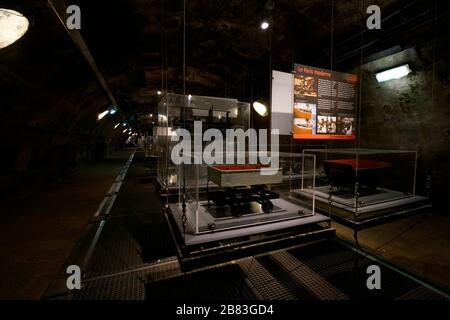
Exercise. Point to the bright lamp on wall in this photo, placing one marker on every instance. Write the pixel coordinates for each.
(100, 116)
(394, 73)
(260, 108)
(13, 25)
(113, 111)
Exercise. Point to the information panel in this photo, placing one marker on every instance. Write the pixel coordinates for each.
(324, 104)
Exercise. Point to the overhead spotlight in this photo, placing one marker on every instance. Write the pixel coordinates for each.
(159, 92)
(394, 73)
(100, 116)
(13, 25)
(116, 126)
(265, 25)
(260, 108)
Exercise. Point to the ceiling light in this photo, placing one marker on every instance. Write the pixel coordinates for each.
(159, 92)
(265, 25)
(124, 131)
(13, 26)
(100, 116)
(124, 124)
(116, 126)
(113, 110)
(260, 108)
(395, 73)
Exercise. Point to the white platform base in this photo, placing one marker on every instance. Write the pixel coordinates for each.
(289, 216)
(384, 200)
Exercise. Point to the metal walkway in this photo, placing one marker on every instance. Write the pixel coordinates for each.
(133, 258)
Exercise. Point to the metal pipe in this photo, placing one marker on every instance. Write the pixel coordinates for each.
(60, 9)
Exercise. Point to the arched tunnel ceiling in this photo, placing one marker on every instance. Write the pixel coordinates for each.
(45, 82)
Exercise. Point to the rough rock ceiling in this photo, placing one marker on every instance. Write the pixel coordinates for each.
(134, 41)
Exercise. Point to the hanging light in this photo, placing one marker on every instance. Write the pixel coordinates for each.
(260, 108)
(13, 25)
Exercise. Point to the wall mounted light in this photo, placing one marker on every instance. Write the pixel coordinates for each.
(394, 73)
(100, 116)
(113, 111)
(260, 108)
(13, 25)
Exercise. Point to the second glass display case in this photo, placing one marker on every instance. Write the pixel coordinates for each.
(362, 181)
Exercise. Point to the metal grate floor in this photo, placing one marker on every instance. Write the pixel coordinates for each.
(134, 259)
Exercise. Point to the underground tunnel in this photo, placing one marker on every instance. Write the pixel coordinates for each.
(183, 151)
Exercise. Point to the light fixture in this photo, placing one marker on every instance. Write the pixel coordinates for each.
(265, 25)
(159, 92)
(190, 97)
(13, 25)
(113, 110)
(100, 116)
(124, 124)
(395, 73)
(124, 131)
(116, 126)
(260, 108)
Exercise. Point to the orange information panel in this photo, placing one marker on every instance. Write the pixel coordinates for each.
(324, 104)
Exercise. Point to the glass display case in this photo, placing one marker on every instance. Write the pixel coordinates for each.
(178, 111)
(228, 201)
(361, 181)
(244, 203)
